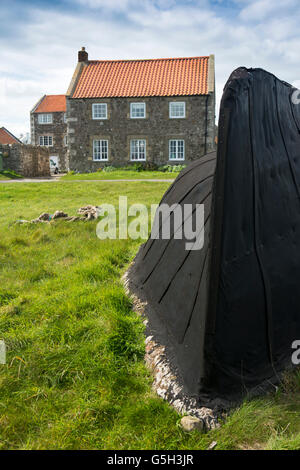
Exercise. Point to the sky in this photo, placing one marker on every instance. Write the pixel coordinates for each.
(39, 41)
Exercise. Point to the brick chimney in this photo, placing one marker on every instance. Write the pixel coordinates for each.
(83, 55)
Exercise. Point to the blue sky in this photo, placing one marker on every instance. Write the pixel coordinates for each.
(39, 40)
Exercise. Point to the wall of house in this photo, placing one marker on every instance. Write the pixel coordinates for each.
(57, 130)
(157, 128)
(26, 160)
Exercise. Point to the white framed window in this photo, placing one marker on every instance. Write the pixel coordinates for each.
(100, 150)
(65, 140)
(45, 118)
(65, 117)
(137, 150)
(177, 109)
(46, 141)
(137, 110)
(99, 111)
(176, 149)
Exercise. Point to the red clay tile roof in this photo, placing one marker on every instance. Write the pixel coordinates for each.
(52, 104)
(133, 78)
(7, 138)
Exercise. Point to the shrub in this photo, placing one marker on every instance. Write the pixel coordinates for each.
(178, 168)
(108, 169)
(10, 174)
(171, 168)
(137, 167)
(150, 166)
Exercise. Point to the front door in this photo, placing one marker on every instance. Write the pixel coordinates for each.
(54, 163)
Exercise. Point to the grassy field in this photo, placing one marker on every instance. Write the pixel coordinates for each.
(75, 376)
(121, 174)
(8, 175)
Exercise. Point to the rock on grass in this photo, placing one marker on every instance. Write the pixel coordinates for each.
(190, 423)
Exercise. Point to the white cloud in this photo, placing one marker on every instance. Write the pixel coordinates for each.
(107, 4)
(40, 56)
(263, 9)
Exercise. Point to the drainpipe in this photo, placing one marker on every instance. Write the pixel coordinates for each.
(206, 122)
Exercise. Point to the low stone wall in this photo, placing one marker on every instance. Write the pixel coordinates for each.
(26, 160)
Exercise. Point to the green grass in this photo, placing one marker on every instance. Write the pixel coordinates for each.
(9, 174)
(75, 376)
(120, 174)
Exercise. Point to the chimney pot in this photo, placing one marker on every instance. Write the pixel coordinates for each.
(83, 55)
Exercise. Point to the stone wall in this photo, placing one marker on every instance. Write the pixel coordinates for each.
(57, 130)
(197, 129)
(26, 160)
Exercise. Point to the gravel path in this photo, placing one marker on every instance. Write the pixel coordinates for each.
(54, 179)
(57, 179)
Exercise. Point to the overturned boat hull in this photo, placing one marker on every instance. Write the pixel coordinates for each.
(229, 313)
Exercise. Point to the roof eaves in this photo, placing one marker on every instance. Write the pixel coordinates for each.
(167, 95)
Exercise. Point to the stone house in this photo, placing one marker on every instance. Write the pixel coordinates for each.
(153, 111)
(49, 128)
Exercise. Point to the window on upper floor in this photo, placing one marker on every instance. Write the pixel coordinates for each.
(137, 149)
(99, 111)
(65, 140)
(46, 140)
(137, 110)
(100, 150)
(45, 118)
(65, 117)
(177, 109)
(176, 149)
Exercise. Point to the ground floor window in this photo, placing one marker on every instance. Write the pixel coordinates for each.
(176, 149)
(46, 141)
(100, 150)
(137, 150)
